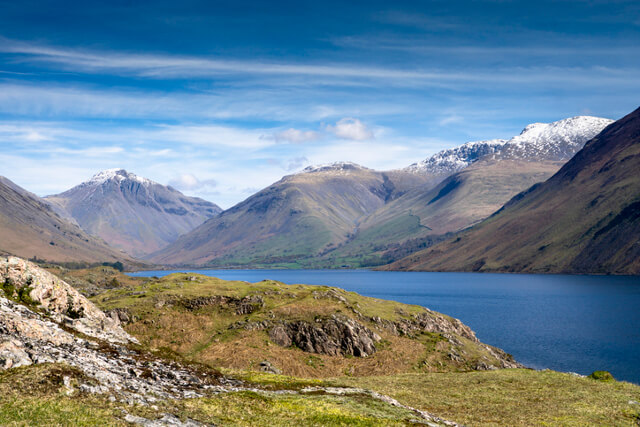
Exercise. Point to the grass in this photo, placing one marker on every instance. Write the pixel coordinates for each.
(514, 397)
(257, 409)
(35, 395)
(209, 334)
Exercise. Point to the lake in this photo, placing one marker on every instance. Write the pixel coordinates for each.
(561, 322)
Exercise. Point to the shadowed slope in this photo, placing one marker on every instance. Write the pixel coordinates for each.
(30, 228)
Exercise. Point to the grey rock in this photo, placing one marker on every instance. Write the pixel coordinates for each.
(280, 336)
(12, 355)
(336, 335)
(266, 366)
(60, 301)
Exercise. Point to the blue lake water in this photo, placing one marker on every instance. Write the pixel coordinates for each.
(566, 323)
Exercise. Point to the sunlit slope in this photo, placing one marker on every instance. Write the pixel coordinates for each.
(299, 216)
(460, 201)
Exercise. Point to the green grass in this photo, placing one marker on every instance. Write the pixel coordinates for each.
(514, 397)
(257, 409)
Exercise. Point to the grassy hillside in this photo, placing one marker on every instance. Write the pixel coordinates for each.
(298, 217)
(229, 324)
(328, 394)
(584, 219)
(513, 397)
(459, 201)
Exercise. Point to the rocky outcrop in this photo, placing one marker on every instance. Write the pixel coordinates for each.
(245, 305)
(26, 338)
(25, 281)
(337, 335)
(428, 321)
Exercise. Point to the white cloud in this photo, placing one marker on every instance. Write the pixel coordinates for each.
(296, 136)
(350, 128)
(189, 182)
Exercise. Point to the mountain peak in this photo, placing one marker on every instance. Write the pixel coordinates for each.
(344, 167)
(454, 159)
(117, 174)
(557, 141)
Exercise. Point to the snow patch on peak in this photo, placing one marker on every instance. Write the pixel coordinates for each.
(456, 159)
(533, 127)
(343, 167)
(118, 175)
(557, 141)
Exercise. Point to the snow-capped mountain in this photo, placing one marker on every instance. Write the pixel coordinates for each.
(452, 160)
(557, 141)
(30, 228)
(133, 213)
(343, 167)
(118, 175)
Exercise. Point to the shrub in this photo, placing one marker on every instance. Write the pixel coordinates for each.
(602, 376)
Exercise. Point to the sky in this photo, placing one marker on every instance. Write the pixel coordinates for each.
(221, 98)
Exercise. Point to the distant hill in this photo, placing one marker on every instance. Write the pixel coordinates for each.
(30, 228)
(584, 219)
(301, 215)
(477, 178)
(132, 213)
(345, 214)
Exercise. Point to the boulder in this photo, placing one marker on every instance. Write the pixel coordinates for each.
(58, 300)
(12, 354)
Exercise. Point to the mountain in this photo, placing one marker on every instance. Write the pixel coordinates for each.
(557, 141)
(584, 219)
(477, 178)
(29, 227)
(301, 215)
(132, 213)
(449, 161)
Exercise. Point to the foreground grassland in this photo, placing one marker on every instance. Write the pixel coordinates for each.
(40, 395)
(512, 397)
(36, 395)
(177, 313)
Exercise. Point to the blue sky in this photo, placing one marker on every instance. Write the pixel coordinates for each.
(221, 98)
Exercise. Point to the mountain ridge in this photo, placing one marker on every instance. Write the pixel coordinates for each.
(132, 213)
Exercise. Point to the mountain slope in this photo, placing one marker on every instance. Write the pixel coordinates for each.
(482, 176)
(584, 219)
(30, 228)
(132, 213)
(299, 216)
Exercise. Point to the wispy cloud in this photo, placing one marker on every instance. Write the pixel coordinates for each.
(184, 67)
(295, 136)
